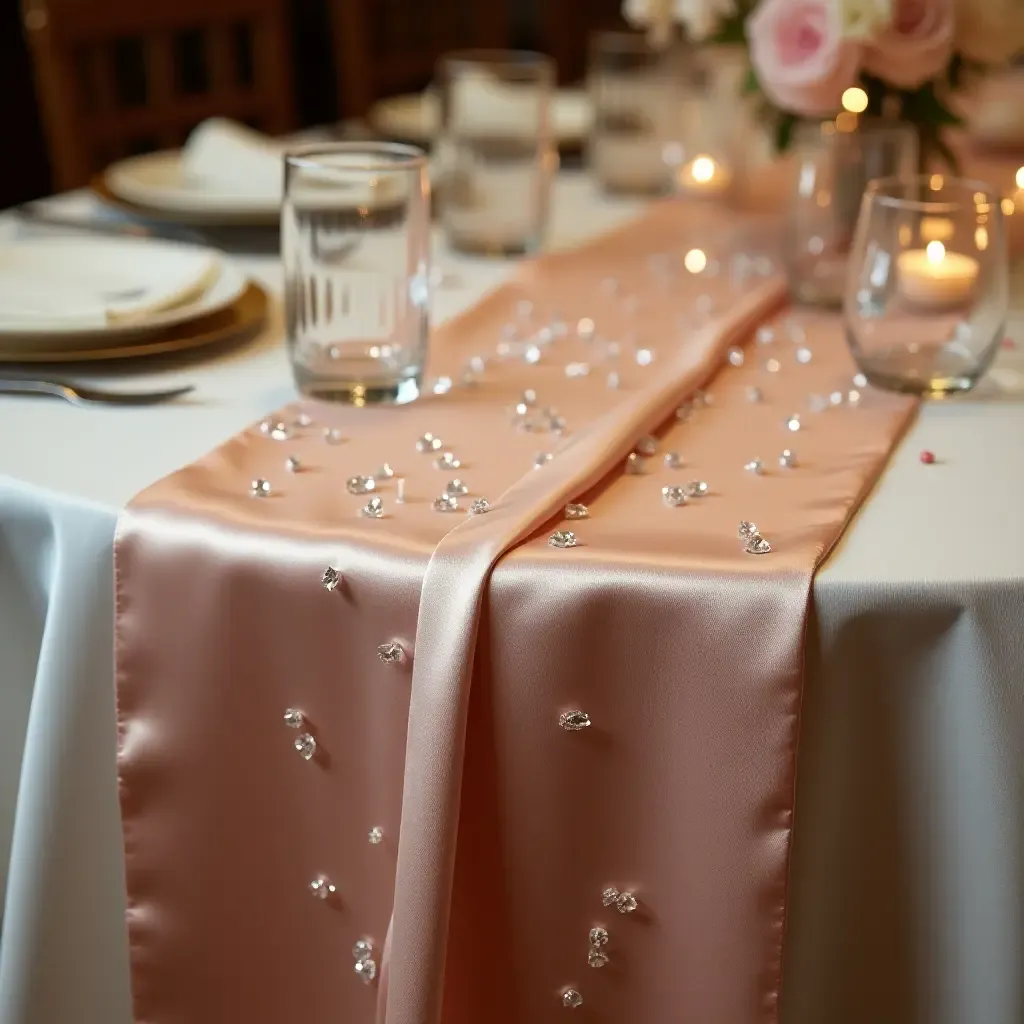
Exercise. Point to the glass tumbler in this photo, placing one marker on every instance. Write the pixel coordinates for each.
(355, 243)
(835, 162)
(497, 152)
(928, 285)
(631, 88)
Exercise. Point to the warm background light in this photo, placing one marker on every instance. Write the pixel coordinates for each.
(855, 100)
(695, 261)
(1020, 177)
(703, 168)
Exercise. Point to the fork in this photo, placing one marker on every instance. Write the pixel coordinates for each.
(76, 394)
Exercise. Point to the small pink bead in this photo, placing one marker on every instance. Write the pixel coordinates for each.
(1009, 343)
(927, 457)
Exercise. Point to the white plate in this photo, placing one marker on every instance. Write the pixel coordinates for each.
(120, 265)
(416, 118)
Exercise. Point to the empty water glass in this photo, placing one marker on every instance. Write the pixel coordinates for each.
(355, 242)
(497, 155)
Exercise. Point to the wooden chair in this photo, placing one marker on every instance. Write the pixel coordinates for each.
(118, 77)
(387, 47)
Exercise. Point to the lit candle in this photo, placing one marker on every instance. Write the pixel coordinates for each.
(936, 229)
(703, 177)
(935, 278)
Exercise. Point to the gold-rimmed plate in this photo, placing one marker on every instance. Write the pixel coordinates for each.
(243, 317)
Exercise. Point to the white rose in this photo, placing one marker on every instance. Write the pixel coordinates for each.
(989, 31)
(700, 18)
(862, 19)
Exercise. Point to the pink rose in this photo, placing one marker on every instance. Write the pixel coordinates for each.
(802, 61)
(916, 46)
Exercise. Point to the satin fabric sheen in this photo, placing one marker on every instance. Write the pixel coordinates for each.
(685, 652)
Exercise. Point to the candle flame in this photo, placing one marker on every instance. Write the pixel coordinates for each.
(855, 100)
(936, 252)
(703, 168)
(1020, 177)
(695, 261)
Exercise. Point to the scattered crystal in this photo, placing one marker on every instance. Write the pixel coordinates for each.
(598, 936)
(772, 365)
(447, 460)
(305, 744)
(585, 328)
(859, 380)
(704, 305)
(787, 459)
(265, 427)
(609, 896)
(532, 354)
(477, 364)
(445, 503)
(754, 394)
(321, 888)
(755, 466)
(428, 443)
(391, 653)
(455, 487)
(757, 545)
(522, 409)
(576, 510)
(376, 835)
(695, 488)
(260, 488)
(765, 335)
(736, 356)
(613, 381)
(386, 472)
(361, 484)
(684, 411)
(334, 352)
(644, 357)
(795, 332)
(292, 464)
(294, 718)
(701, 399)
(634, 464)
(803, 355)
(574, 721)
(529, 397)
(373, 509)
(836, 398)
(597, 957)
(332, 435)
(853, 396)
(524, 308)
(542, 459)
(673, 496)
(626, 903)
(400, 490)
(479, 507)
(366, 970)
(673, 460)
(280, 432)
(563, 539)
(303, 420)
(572, 999)
(331, 578)
(817, 403)
(646, 446)
(746, 529)
(793, 423)
(577, 370)
(443, 385)
(362, 949)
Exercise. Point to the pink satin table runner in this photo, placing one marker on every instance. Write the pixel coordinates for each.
(499, 830)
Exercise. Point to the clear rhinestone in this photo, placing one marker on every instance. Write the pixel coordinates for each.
(704, 305)
(836, 398)
(684, 411)
(529, 397)
(455, 487)
(332, 435)
(793, 422)
(386, 472)
(392, 653)
(303, 420)
(373, 509)
(479, 507)
(755, 466)
(626, 903)
(795, 332)
(542, 459)
(646, 446)
(400, 490)
(334, 352)
(294, 718)
(445, 503)
(613, 381)
(701, 399)
(522, 409)
(280, 432)
(585, 329)
(634, 464)
(563, 539)
(574, 721)
(305, 744)
(556, 424)
(265, 427)
(321, 888)
(757, 545)
(597, 957)
(428, 443)
(532, 354)
(609, 896)
(804, 355)
(673, 496)
(736, 356)
(787, 459)
(598, 937)
(644, 356)
(361, 484)
(476, 365)
(755, 394)
(362, 949)
(576, 510)
(376, 835)
(260, 488)
(447, 460)
(772, 365)
(524, 309)
(571, 999)
(442, 385)
(695, 488)
(366, 970)
(817, 403)
(746, 529)
(853, 396)
(673, 460)
(331, 578)
(765, 335)
(577, 370)
(292, 464)
(859, 380)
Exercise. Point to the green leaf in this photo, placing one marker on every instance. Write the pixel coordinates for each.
(784, 131)
(750, 84)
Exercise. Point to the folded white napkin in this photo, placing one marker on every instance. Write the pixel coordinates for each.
(226, 154)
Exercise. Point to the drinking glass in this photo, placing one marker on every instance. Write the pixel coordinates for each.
(355, 242)
(631, 89)
(497, 153)
(835, 162)
(927, 291)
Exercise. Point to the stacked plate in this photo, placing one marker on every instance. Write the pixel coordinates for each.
(64, 299)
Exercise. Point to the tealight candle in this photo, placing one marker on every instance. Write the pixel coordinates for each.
(703, 176)
(934, 278)
(936, 229)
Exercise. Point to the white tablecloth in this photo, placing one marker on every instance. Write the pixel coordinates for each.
(907, 891)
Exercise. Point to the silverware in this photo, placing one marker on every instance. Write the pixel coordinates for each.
(77, 394)
(27, 213)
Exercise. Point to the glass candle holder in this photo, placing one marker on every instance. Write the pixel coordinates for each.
(355, 243)
(835, 162)
(928, 284)
(632, 91)
(497, 150)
